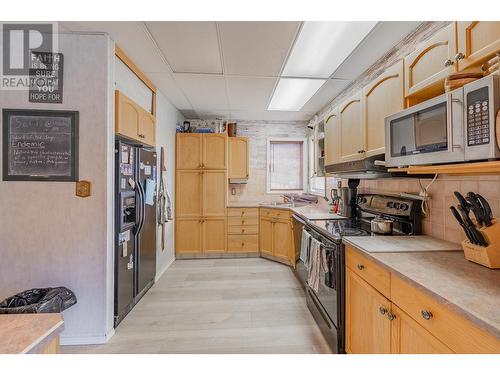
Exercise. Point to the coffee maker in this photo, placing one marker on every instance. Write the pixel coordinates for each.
(348, 197)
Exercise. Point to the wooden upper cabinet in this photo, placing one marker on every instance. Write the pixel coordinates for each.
(132, 121)
(214, 151)
(188, 236)
(352, 136)
(368, 329)
(214, 193)
(477, 42)
(188, 193)
(382, 98)
(214, 235)
(332, 138)
(282, 240)
(433, 60)
(188, 151)
(238, 157)
(409, 337)
(266, 236)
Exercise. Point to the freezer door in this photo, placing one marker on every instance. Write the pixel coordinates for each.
(124, 274)
(146, 238)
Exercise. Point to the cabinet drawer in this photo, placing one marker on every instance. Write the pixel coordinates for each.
(243, 229)
(242, 221)
(242, 243)
(274, 213)
(375, 275)
(242, 212)
(453, 330)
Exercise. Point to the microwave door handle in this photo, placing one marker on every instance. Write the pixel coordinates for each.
(451, 100)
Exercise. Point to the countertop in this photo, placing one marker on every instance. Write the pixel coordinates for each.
(27, 333)
(391, 244)
(307, 211)
(467, 288)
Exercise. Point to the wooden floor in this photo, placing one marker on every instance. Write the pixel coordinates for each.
(218, 306)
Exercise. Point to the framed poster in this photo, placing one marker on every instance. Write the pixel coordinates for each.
(39, 145)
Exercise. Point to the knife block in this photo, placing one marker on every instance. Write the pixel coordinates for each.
(488, 256)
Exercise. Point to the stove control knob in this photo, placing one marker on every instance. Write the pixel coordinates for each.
(404, 206)
(390, 204)
(396, 206)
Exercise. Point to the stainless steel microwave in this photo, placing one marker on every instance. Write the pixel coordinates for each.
(457, 126)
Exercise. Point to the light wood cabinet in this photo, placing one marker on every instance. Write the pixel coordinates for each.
(214, 193)
(243, 230)
(188, 196)
(238, 158)
(188, 151)
(332, 138)
(352, 136)
(433, 60)
(276, 236)
(368, 329)
(214, 235)
(188, 236)
(134, 122)
(477, 41)
(408, 337)
(266, 236)
(381, 98)
(282, 240)
(214, 151)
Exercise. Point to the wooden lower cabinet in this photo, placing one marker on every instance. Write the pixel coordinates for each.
(367, 329)
(276, 235)
(282, 240)
(214, 235)
(188, 236)
(409, 337)
(266, 236)
(246, 243)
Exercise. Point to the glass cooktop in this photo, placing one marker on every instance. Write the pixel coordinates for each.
(336, 229)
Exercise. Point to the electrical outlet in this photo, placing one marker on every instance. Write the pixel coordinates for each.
(233, 191)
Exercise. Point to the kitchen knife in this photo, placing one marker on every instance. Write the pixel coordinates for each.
(463, 202)
(462, 224)
(476, 234)
(476, 208)
(488, 216)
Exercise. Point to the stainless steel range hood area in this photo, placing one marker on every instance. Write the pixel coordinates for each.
(368, 168)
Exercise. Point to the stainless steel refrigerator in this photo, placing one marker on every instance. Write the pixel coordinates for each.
(135, 225)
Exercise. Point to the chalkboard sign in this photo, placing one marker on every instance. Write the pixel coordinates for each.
(40, 145)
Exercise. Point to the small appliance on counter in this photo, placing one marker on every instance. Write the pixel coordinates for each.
(482, 245)
(347, 198)
(327, 304)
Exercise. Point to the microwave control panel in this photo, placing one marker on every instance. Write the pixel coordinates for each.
(478, 127)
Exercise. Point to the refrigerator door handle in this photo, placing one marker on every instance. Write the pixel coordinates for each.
(140, 216)
(143, 207)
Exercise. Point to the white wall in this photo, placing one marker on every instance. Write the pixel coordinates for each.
(167, 118)
(50, 237)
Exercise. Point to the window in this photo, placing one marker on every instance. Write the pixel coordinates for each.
(316, 184)
(286, 162)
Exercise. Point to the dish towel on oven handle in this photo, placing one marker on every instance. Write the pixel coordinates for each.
(305, 245)
(317, 262)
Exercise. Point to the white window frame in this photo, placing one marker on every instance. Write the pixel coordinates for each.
(311, 166)
(305, 151)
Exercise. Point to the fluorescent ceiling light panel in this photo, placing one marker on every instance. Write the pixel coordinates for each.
(292, 93)
(321, 47)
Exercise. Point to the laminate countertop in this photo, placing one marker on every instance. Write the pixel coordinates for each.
(28, 333)
(306, 211)
(465, 287)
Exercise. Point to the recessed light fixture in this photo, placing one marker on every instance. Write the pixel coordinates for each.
(322, 46)
(292, 93)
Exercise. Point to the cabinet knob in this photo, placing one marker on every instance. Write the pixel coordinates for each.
(459, 56)
(242, 244)
(391, 316)
(382, 310)
(243, 231)
(426, 314)
(361, 267)
(449, 62)
(361, 151)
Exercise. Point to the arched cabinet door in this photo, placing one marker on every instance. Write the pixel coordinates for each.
(381, 98)
(332, 137)
(352, 138)
(477, 41)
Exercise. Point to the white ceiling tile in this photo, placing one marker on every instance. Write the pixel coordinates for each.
(249, 92)
(256, 48)
(166, 83)
(205, 92)
(131, 37)
(189, 47)
(213, 114)
(270, 115)
(325, 94)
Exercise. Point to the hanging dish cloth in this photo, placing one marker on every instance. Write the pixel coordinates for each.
(165, 203)
(305, 246)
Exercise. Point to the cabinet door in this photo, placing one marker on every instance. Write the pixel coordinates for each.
(214, 193)
(352, 136)
(266, 236)
(127, 116)
(188, 151)
(188, 194)
(332, 138)
(188, 236)
(409, 337)
(381, 98)
(427, 67)
(477, 41)
(238, 157)
(148, 128)
(214, 151)
(368, 331)
(214, 235)
(282, 241)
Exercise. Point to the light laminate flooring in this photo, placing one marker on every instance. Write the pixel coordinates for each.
(240, 306)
